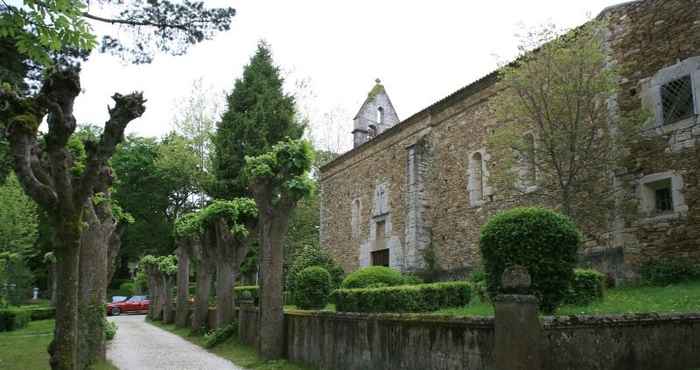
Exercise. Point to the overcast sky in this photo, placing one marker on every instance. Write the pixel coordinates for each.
(421, 50)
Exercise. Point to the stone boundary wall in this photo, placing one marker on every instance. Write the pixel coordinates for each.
(640, 342)
(345, 341)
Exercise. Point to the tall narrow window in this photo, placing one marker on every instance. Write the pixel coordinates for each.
(529, 171)
(380, 115)
(355, 218)
(476, 179)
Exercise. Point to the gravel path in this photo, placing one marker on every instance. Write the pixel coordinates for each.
(139, 345)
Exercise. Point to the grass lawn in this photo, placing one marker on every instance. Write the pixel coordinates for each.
(26, 348)
(238, 353)
(677, 298)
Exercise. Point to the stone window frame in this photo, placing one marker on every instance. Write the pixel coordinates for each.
(651, 95)
(356, 215)
(527, 187)
(647, 196)
(475, 199)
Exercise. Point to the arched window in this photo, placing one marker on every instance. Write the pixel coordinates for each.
(380, 115)
(528, 172)
(476, 179)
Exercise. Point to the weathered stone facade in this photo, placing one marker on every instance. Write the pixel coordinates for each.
(424, 181)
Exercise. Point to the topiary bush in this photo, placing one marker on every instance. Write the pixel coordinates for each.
(372, 275)
(588, 286)
(312, 255)
(669, 271)
(313, 287)
(542, 241)
(14, 318)
(404, 298)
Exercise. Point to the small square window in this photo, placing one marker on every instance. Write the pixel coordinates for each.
(380, 258)
(677, 100)
(664, 200)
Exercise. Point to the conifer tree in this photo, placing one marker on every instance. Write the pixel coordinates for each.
(259, 114)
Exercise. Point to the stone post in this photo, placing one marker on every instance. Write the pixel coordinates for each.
(518, 329)
(247, 319)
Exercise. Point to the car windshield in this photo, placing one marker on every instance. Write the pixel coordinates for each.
(118, 298)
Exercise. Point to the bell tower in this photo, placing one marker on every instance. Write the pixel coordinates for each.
(375, 116)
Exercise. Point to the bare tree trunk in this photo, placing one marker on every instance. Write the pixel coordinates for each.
(183, 285)
(201, 308)
(52, 276)
(273, 229)
(167, 300)
(64, 348)
(224, 292)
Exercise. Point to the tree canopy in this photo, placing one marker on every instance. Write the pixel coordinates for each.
(259, 114)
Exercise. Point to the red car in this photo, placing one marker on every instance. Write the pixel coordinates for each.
(135, 304)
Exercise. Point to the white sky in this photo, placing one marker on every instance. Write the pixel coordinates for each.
(421, 50)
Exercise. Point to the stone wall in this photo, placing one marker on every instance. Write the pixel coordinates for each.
(640, 342)
(345, 341)
(429, 207)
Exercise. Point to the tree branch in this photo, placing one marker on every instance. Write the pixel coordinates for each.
(126, 109)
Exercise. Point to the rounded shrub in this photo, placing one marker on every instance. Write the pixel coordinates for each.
(542, 241)
(127, 288)
(313, 288)
(364, 277)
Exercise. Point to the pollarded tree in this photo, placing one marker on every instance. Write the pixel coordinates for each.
(225, 229)
(558, 139)
(277, 180)
(46, 176)
(230, 228)
(259, 115)
(160, 272)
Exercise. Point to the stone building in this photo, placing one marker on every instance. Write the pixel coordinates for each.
(413, 194)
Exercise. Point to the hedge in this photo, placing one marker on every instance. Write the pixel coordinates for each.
(253, 289)
(13, 319)
(313, 286)
(669, 271)
(364, 277)
(588, 286)
(404, 298)
(42, 313)
(542, 241)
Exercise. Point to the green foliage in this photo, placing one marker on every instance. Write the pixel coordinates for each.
(312, 255)
(127, 288)
(42, 28)
(220, 335)
(239, 214)
(371, 275)
(479, 284)
(42, 313)
(14, 318)
(404, 298)
(110, 329)
(588, 286)
(180, 171)
(542, 241)
(669, 271)
(312, 288)
(166, 265)
(285, 168)
(259, 116)
(15, 278)
(543, 148)
(141, 190)
(18, 219)
(253, 290)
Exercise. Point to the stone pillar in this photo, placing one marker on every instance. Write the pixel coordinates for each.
(247, 319)
(517, 325)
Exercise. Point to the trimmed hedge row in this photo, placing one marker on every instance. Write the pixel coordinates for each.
(588, 286)
(42, 313)
(403, 298)
(253, 289)
(372, 275)
(13, 319)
